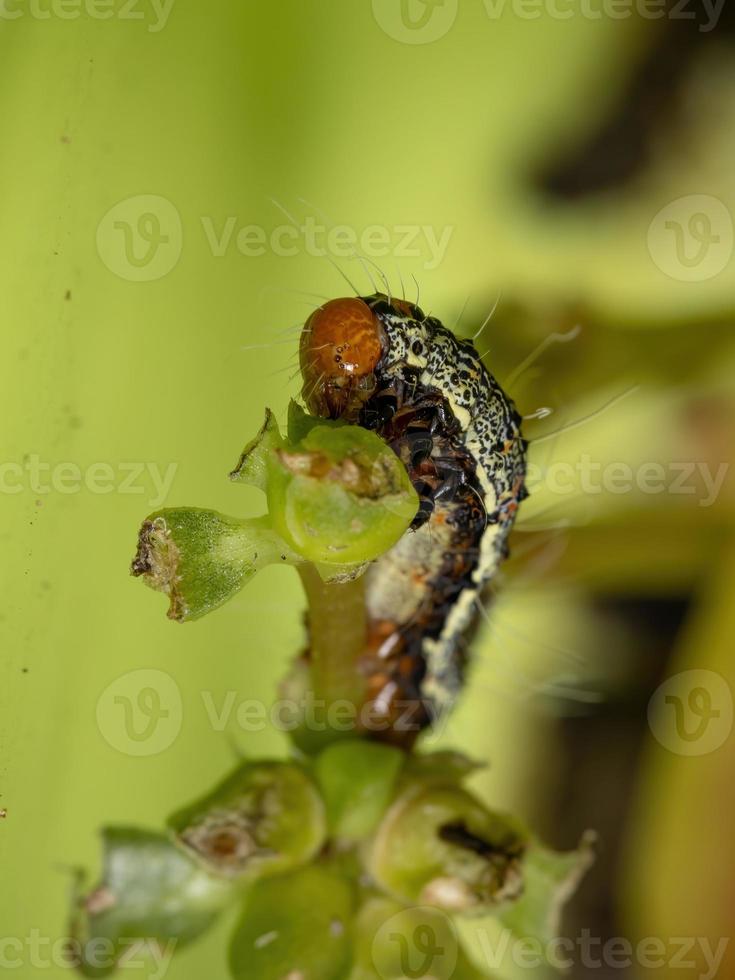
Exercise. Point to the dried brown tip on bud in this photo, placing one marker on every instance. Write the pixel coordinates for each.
(158, 559)
(225, 840)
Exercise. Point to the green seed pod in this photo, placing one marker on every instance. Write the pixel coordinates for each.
(438, 845)
(264, 818)
(340, 496)
(357, 780)
(337, 495)
(151, 900)
(295, 926)
(200, 558)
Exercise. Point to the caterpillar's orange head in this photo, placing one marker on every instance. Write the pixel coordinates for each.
(341, 345)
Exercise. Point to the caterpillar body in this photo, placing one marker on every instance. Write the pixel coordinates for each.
(381, 363)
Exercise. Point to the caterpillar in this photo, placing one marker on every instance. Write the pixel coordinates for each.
(379, 362)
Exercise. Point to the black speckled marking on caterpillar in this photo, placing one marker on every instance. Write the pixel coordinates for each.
(383, 364)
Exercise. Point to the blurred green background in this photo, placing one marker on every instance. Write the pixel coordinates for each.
(546, 150)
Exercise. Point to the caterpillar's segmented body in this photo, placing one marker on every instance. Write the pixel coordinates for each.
(381, 363)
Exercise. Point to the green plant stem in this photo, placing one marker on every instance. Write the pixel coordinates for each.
(338, 630)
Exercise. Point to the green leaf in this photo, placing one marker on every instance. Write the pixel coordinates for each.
(300, 423)
(149, 893)
(252, 467)
(550, 879)
(264, 818)
(357, 780)
(295, 925)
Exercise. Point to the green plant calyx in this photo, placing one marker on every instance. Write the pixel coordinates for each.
(264, 818)
(439, 845)
(338, 496)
